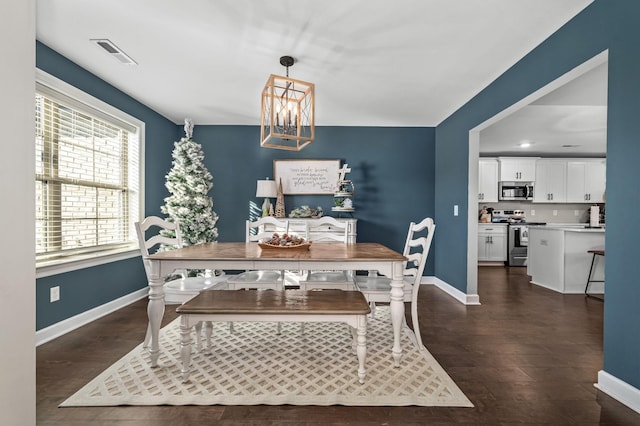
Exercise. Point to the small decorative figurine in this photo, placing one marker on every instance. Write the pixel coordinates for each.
(485, 216)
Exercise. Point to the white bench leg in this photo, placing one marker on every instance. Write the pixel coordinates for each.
(185, 347)
(361, 349)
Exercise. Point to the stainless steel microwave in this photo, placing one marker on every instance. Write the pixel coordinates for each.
(508, 191)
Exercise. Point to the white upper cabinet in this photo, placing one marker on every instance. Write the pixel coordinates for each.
(517, 169)
(488, 180)
(586, 181)
(551, 178)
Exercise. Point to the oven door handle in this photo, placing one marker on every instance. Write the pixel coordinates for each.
(516, 237)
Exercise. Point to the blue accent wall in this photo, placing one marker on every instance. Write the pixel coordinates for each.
(393, 170)
(88, 288)
(605, 24)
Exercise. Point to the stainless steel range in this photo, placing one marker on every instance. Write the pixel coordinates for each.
(517, 244)
(517, 236)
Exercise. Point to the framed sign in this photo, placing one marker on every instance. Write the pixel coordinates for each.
(307, 176)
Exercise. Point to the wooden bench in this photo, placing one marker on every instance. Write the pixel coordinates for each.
(275, 305)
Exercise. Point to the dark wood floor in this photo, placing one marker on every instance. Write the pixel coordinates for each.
(526, 355)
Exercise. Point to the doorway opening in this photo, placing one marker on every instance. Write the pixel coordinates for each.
(475, 151)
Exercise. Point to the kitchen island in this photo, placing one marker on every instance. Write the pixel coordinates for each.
(559, 258)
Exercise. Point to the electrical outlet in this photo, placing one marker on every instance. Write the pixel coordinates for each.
(455, 210)
(555, 212)
(533, 212)
(54, 293)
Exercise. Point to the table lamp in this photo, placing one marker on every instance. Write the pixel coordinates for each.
(267, 189)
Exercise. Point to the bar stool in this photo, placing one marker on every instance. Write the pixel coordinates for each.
(595, 252)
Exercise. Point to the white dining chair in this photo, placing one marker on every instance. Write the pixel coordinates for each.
(376, 289)
(314, 280)
(177, 290)
(255, 231)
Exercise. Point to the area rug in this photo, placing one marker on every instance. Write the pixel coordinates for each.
(255, 365)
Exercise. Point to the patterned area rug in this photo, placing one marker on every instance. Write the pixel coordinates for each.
(254, 365)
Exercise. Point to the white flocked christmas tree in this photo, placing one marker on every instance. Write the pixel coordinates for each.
(189, 183)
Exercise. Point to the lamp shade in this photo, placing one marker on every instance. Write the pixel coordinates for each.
(267, 189)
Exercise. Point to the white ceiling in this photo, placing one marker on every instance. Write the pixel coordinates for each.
(374, 62)
(571, 120)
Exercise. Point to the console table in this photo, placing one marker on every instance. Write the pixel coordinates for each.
(298, 225)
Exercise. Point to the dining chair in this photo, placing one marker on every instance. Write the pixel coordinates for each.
(376, 289)
(255, 231)
(151, 239)
(342, 280)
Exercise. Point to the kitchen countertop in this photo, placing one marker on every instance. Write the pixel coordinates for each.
(578, 227)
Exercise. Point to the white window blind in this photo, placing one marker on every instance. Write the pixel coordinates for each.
(87, 178)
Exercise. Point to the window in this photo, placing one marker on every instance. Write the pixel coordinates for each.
(87, 177)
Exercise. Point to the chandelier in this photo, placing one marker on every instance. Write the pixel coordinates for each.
(287, 119)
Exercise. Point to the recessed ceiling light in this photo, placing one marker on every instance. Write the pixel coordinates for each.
(525, 144)
(114, 51)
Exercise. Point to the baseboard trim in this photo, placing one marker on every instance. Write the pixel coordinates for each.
(58, 329)
(619, 390)
(466, 299)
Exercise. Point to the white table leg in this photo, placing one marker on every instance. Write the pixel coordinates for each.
(208, 330)
(362, 347)
(155, 311)
(397, 311)
(198, 328)
(185, 347)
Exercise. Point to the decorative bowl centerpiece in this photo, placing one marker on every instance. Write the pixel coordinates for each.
(285, 241)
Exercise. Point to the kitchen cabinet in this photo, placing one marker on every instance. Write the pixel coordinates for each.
(488, 180)
(492, 242)
(551, 180)
(518, 169)
(586, 181)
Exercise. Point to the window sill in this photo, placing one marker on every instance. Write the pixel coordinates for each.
(55, 267)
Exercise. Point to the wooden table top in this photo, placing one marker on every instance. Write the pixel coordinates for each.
(287, 302)
(251, 251)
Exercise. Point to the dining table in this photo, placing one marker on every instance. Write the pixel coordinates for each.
(356, 256)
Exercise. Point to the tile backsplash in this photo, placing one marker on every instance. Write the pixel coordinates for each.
(550, 213)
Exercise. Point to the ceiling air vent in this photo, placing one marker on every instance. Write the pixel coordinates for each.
(114, 51)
